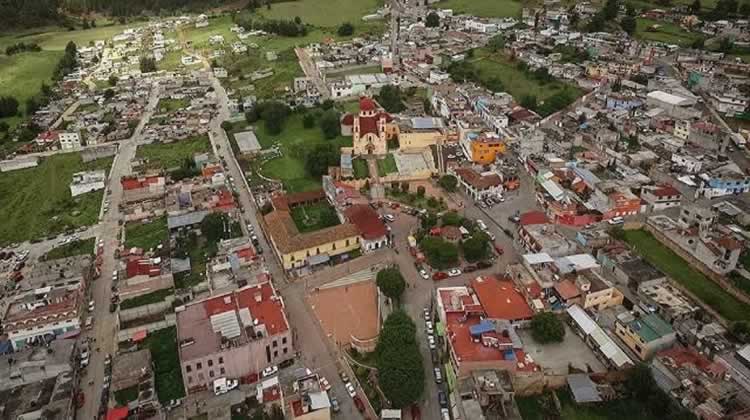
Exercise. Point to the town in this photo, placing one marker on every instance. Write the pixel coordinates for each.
(322, 209)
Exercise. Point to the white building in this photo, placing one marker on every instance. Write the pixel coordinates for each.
(437, 77)
(661, 197)
(40, 314)
(481, 27)
(84, 182)
(69, 140)
(690, 164)
(729, 103)
(476, 185)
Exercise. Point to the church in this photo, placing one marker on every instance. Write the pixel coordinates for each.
(369, 129)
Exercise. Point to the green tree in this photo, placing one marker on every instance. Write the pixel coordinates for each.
(390, 98)
(611, 7)
(740, 330)
(448, 183)
(628, 24)
(546, 327)
(327, 104)
(214, 226)
(319, 158)
(745, 9)
(428, 220)
(496, 43)
(476, 248)
(528, 101)
(596, 23)
(308, 120)
(451, 218)
(698, 44)
(329, 124)
(399, 361)
(112, 80)
(391, 283)
(420, 191)
(147, 64)
(494, 84)
(226, 126)
(695, 7)
(274, 115)
(109, 94)
(726, 45)
(432, 20)
(440, 253)
(85, 24)
(346, 29)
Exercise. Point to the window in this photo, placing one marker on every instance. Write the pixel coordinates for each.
(188, 368)
(210, 362)
(221, 360)
(201, 377)
(199, 366)
(275, 353)
(275, 343)
(190, 379)
(222, 371)
(283, 340)
(210, 373)
(347, 242)
(285, 350)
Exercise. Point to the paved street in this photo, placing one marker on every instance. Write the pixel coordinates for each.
(100, 290)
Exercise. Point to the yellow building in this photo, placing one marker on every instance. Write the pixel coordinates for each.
(295, 249)
(419, 133)
(644, 334)
(485, 148)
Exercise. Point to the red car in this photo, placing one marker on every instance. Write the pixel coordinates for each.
(439, 276)
(359, 404)
(499, 249)
(415, 413)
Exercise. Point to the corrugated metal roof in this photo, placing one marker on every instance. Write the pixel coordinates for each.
(226, 324)
(583, 388)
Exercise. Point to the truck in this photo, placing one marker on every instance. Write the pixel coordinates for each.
(224, 385)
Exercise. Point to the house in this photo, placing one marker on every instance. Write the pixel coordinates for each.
(674, 105)
(46, 138)
(729, 103)
(372, 230)
(597, 339)
(661, 197)
(69, 140)
(84, 182)
(232, 335)
(220, 72)
(724, 180)
(544, 238)
(476, 185)
(660, 297)
(40, 315)
(310, 400)
(420, 133)
(644, 334)
(485, 148)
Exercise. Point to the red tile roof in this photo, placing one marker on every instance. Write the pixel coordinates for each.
(567, 289)
(268, 309)
(477, 180)
(367, 221)
(500, 299)
(366, 104)
(666, 191)
(728, 242)
(368, 125)
(533, 218)
(347, 119)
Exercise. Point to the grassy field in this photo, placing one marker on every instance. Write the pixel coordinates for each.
(516, 82)
(198, 250)
(163, 347)
(290, 168)
(674, 266)
(36, 202)
(56, 38)
(21, 75)
(312, 217)
(323, 13)
(171, 155)
(124, 396)
(668, 33)
(171, 105)
(240, 67)
(387, 166)
(146, 235)
(147, 299)
(483, 8)
(361, 171)
(79, 247)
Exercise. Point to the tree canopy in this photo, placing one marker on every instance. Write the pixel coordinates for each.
(448, 182)
(390, 98)
(346, 29)
(546, 327)
(399, 361)
(319, 158)
(439, 252)
(477, 247)
(330, 125)
(274, 115)
(391, 283)
(432, 20)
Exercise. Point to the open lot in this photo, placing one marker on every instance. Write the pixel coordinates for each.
(146, 235)
(312, 217)
(171, 105)
(322, 13)
(664, 32)
(79, 247)
(557, 357)
(171, 155)
(483, 8)
(515, 81)
(242, 66)
(673, 265)
(147, 299)
(26, 216)
(532, 408)
(55, 38)
(163, 347)
(347, 309)
(290, 167)
(22, 75)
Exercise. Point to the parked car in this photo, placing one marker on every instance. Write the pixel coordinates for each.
(389, 217)
(514, 219)
(454, 272)
(270, 371)
(335, 405)
(438, 375)
(470, 268)
(484, 264)
(359, 404)
(350, 389)
(324, 384)
(445, 414)
(426, 313)
(498, 249)
(616, 221)
(439, 276)
(423, 273)
(442, 399)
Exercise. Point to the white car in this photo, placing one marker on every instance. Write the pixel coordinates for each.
(269, 371)
(426, 313)
(324, 384)
(424, 274)
(350, 389)
(451, 156)
(389, 217)
(428, 327)
(454, 272)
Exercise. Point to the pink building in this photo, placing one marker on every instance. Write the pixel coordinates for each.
(234, 335)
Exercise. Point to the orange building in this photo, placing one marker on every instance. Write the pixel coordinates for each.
(486, 147)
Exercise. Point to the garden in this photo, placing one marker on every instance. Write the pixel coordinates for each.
(312, 217)
(162, 345)
(172, 155)
(146, 235)
(71, 249)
